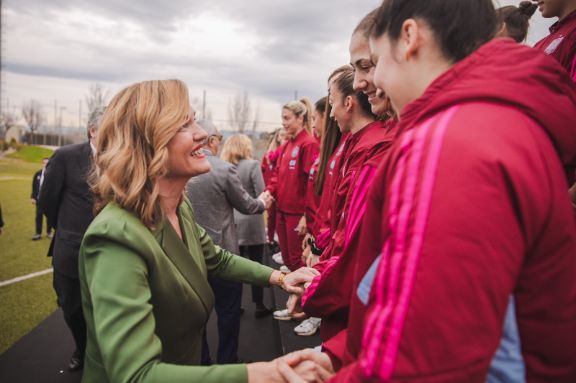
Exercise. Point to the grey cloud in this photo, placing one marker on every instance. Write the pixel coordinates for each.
(294, 34)
(62, 72)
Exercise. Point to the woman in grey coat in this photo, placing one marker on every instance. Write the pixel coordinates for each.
(250, 228)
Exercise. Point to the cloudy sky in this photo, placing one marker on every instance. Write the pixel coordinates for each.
(54, 50)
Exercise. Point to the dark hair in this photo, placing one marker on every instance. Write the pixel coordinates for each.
(320, 105)
(516, 19)
(330, 140)
(460, 26)
(345, 83)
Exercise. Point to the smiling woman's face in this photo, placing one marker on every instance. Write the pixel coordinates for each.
(185, 157)
(364, 74)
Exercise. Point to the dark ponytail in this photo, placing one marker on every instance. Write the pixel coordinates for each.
(516, 19)
(460, 26)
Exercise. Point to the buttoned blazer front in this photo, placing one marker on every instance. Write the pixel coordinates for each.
(146, 298)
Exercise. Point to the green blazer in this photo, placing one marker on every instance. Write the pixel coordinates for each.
(146, 298)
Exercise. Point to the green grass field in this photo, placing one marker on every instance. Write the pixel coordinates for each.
(32, 154)
(24, 304)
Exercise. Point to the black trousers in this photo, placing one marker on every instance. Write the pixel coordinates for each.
(228, 299)
(39, 218)
(255, 253)
(69, 299)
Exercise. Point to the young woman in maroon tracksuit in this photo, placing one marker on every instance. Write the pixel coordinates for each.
(469, 208)
(312, 198)
(290, 180)
(268, 165)
(561, 42)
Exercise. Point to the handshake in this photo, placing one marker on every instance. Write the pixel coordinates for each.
(266, 198)
(297, 367)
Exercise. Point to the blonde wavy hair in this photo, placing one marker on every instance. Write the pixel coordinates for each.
(237, 147)
(131, 146)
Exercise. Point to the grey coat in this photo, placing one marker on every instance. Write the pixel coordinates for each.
(250, 228)
(214, 195)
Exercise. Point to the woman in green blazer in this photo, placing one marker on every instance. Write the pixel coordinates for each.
(144, 261)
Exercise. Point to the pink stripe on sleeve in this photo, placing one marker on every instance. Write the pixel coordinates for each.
(407, 244)
(573, 69)
(311, 290)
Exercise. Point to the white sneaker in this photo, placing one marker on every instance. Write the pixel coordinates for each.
(278, 258)
(284, 269)
(282, 314)
(308, 327)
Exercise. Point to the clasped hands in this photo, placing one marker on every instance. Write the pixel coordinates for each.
(267, 198)
(295, 282)
(297, 367)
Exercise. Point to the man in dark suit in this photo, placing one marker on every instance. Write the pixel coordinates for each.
(37, 182)
(1, 220)
(214, 196)
(67, 202)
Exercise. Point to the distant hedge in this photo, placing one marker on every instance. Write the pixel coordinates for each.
(31, 153)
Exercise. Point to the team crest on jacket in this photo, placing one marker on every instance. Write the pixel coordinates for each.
(295, 151)
(553, 45)
(332, 164)
(311, 174)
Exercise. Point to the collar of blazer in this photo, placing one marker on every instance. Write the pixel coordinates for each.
(182, 254)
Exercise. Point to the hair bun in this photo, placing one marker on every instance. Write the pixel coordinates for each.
(527, 8)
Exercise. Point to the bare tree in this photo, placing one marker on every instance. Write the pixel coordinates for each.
(97, 98)
(32, 113)
(7, 121)
(239, 110)
(256, 120)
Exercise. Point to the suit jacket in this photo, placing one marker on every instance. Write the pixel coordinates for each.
(250, 228)
(146, 298)
(36, 185)
(66, 200)
(214, 195)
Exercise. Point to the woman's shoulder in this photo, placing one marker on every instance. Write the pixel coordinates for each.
(310, 142)
(118, 224)
(249, 164)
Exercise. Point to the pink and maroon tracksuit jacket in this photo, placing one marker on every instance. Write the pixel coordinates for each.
(325, 210)
(329, 294)
(470, 207)
(561, 43)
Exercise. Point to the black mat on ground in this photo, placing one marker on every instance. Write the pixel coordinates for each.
(41, 356)
(288, 338)
(259, 340)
